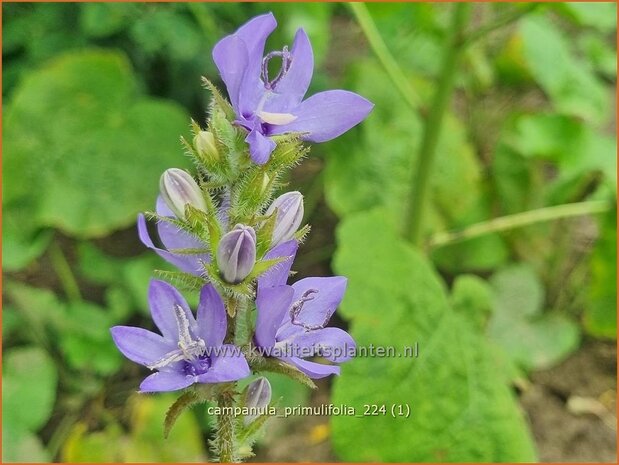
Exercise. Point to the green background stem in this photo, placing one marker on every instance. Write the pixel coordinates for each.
(65, 274)
(519, 220)
(380, 49)
(420, 182)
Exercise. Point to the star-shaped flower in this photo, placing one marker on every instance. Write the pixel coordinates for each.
(189, 350)
(268, 105)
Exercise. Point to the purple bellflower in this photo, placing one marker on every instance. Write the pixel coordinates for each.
(189, 350)
(268, 105)
(291, 324)
(174, 239)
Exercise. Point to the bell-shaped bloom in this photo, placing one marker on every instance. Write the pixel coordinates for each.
(189, 350)
(177, 243)
(236, 253)
(178, 189)
(289, 207)
(291, 324)
(268, 105)
(258, 397)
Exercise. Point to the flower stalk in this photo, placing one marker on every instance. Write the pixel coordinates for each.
(420, 181)
(235, 244)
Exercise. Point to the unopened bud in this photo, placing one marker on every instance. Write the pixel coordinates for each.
(236, 253)
(204, 143)
(258, 397)
(289, 216)
(178, 189)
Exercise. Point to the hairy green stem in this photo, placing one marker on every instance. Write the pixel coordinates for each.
(224, 438)
(421, 175)
(242, 323)
(63, 270)
(383, 54)
(519, 220)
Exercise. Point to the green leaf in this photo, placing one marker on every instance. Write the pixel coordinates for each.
(105, 19)
(601, 312)
(28, 388)
(22, 241)
(185, 401)
(471, 296)
(530, 338)
(80, 330)
(87, 173)
(21, 446)
(600, 15)
(568, 81)
(461, 408)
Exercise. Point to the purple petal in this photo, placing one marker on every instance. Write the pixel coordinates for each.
(162, 298)
(212, 320)
(231, 57)
(166, 381)
(312, 369)
(278, 274)
(188, 263)
(327, 115)
(292, 87)
(334, 344)
(314, 313)
(171, 236)
(260, 147)
(239, 58)
(229, 367)
(272, 304)
(140, 345)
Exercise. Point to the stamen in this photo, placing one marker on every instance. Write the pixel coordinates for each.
(184, 337)
(188, 349)
(285, 66)
(298, 306)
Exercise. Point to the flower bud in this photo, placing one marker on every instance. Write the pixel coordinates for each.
(204, 143)
(236, 254)
(289, 216)
(178, 189)
(258, 397)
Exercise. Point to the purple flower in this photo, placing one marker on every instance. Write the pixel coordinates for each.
(291, 324)
(189, 350)
(174, 240)
(268, 105)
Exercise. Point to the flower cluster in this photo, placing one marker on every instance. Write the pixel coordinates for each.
(235, 245)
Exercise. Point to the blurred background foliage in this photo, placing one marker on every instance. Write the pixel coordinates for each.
(96, 96)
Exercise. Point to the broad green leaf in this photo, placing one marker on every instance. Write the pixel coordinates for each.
(568, 81)
(105, 19)
(165, 30)
(80, 144)
(79, 330)
(601, 312)
(22, 241)
(471, 296)
(21, 446)
(599, 15)
(532, 339)
(461, 406)
(28, 388)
